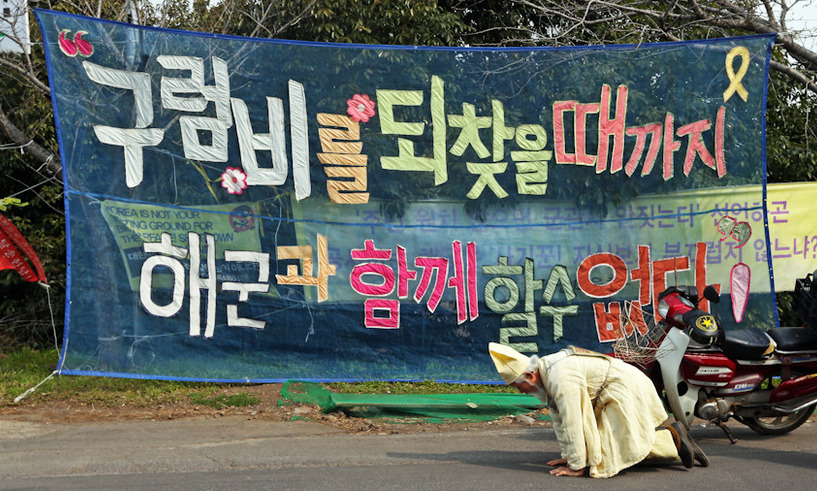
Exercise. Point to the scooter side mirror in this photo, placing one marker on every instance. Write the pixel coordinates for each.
(711, 294)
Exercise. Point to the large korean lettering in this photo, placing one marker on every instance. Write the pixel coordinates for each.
(650, 275)
(503, 281)
(203, 280)
(132, 139)
(375, 278)
(615, 127)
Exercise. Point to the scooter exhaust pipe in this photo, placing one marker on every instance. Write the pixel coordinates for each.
(788, 407)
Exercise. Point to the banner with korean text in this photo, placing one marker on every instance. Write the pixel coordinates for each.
(260, 210)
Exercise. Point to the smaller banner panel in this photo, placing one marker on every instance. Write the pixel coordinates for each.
(793, 233)
(233, 227)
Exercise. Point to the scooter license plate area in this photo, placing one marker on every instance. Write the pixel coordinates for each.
(707, 369)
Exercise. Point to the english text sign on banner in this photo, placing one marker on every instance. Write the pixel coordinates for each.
(259, 210)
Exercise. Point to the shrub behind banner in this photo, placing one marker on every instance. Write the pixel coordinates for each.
(260, 210)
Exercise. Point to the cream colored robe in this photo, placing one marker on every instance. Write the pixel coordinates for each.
(620, 432)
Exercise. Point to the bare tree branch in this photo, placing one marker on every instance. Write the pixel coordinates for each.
(27, 74)
(796, 75)
(606, 21)
(42, 154)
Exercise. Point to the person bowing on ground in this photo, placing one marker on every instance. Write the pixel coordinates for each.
(605, 412)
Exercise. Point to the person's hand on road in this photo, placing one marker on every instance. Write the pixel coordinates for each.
(567, 471)
(563, 470)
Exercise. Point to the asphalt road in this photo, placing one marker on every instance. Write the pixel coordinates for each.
(235, 453)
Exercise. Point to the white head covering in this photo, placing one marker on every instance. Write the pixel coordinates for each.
(509, 363)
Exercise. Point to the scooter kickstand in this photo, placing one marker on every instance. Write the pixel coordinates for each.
(726, 430)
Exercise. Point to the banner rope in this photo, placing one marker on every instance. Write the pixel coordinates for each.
(56, 345)
(29, 391)
(98, 198)
(51, 312)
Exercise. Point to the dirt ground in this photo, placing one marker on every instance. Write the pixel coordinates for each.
(267, 409)
(270, 408)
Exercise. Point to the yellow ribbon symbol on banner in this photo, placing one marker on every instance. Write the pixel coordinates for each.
(734, 79)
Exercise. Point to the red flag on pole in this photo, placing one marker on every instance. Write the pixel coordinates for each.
(11, 243)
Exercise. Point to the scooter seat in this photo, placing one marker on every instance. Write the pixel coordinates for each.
(794, 339)
(746, 344)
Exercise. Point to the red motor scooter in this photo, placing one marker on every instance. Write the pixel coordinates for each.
(766, 380)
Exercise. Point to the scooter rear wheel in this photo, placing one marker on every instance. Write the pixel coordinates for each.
(781, 424)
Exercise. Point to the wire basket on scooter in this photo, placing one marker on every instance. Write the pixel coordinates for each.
(639, 338)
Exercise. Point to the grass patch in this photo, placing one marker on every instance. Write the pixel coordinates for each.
(24, 369)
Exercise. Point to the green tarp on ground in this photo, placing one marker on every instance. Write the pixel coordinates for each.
(427, 407)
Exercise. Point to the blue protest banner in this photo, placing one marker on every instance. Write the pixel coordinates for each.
(259, 210)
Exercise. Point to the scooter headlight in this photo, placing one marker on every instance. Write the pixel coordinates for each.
(663, 308)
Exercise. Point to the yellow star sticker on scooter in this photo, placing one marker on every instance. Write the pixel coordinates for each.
(706, 323)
